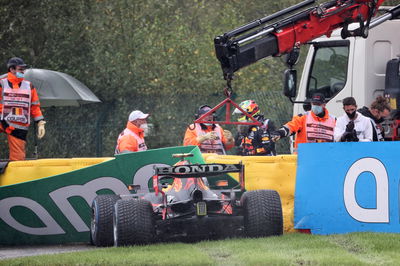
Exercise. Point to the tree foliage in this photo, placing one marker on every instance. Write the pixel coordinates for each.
(156, 56)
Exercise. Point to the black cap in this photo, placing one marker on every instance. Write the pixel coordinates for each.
(15, 61)
(318, 98)
(203, 109)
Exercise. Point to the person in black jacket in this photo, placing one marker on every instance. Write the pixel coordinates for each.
(379, 110)
(254, 140)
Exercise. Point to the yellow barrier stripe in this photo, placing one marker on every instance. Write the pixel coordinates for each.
(22, 171)
(267, 172)
(261, 172)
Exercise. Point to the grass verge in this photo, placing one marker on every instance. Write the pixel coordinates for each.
(290, 249)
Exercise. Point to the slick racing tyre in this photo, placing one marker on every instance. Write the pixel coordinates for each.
(101, 228)
(262, 211)
(133, 222)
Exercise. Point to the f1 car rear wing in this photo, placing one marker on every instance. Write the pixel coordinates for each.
(197, 170)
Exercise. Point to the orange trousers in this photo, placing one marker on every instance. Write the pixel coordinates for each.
(16, 147)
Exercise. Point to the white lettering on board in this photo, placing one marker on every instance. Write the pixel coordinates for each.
(143, 175)
(88, 192)
(380, 214)
(51, 228)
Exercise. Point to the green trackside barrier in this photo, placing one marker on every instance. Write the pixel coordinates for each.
(56, 209)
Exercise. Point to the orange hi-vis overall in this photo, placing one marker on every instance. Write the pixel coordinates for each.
(319, 131)
(130, 140)
(16, 104)
(211, 146)
(191, 135)
(18, 101)
(312, 128)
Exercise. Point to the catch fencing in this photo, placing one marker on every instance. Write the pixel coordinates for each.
(94, 130)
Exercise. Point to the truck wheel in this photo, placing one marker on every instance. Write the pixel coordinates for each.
(133, 222)
(262, 211)
(101, 229)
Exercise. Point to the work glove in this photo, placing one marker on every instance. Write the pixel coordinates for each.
(209, 136)
(277, 135)
(350, 127)
(228, 136)
(349, 137)
(41, 131)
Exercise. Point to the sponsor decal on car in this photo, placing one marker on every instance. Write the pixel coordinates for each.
(199, 169)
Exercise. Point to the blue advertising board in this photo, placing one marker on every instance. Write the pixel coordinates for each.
(348, 187)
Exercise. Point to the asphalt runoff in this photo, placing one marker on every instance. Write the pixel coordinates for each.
(9, 252)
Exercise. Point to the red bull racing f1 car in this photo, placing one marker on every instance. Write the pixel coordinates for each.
(183, 206)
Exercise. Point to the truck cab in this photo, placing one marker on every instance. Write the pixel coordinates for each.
(353, 67)
(353, 51)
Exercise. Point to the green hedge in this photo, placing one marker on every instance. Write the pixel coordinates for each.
(156, 56)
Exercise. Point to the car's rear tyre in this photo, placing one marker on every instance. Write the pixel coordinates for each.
(262, 211)
(133, 222)
(101, 228)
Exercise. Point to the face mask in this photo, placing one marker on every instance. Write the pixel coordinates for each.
(19, 75)
(351, 115)
(145, 128)
(208, 124)
(316, 109)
